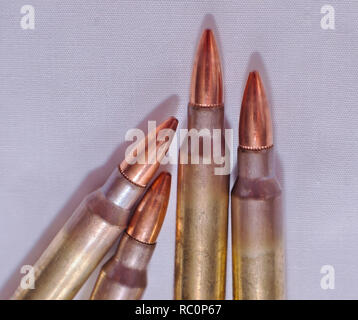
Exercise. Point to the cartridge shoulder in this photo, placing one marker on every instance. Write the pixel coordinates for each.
(99, 205)
(259, 188)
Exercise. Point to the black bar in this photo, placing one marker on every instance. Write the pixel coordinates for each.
(167, 309)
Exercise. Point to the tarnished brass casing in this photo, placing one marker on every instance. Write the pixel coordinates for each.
(202, 217)
(257, 237)
(83, 241)
(97, 223)
(124, 276)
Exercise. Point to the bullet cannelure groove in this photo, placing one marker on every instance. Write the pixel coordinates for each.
(124, 276)
(93, 228)
(202, 199)
(257, 237)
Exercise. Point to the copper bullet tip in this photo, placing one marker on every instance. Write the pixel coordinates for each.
(141, 163)
(206, 81)
(149, 215)
(255, 128)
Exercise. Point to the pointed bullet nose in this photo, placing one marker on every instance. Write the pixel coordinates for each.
(254, 85)
(141, 163)
(206, 81)
(255, 129)
(149, 215)
(170, 123)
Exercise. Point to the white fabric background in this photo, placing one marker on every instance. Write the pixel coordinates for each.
(91, 70)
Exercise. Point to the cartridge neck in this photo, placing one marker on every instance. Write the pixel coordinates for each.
(121, 191)
(134, 254)
(255, 164)
(205, 117)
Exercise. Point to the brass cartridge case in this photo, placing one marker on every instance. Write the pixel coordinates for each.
(96, 224)
(202, 218)
(124, 277)
(83, 241)
(203, 193)
(257, 237)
